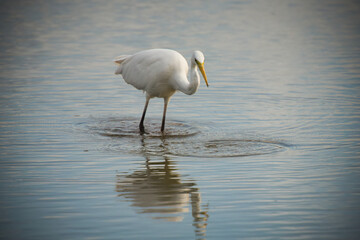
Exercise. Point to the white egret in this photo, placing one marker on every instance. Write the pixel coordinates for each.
(160, 73)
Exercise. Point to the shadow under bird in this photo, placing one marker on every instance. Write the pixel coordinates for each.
(160, 73)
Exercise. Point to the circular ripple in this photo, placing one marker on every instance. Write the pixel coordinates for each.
(180, 139)
(129, 127)
(226, 148)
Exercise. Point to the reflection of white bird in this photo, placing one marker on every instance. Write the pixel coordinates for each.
(160, 73)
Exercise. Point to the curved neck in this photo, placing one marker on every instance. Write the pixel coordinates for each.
(192, 85)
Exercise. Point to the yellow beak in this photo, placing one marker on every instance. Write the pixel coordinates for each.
(202, 70)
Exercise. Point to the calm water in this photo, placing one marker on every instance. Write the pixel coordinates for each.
(271, 150)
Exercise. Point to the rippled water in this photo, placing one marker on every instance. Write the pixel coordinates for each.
(269, 151)
(180, 139)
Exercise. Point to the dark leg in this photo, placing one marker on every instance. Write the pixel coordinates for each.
(141, 126)
(166, 101)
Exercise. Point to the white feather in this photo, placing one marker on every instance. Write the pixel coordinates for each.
(161, 72)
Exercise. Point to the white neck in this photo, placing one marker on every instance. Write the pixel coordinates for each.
(191, 86)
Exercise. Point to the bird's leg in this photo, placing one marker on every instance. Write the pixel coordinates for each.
(166, 101)
(141, 126)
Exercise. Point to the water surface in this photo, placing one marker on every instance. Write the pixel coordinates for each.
(269, 151)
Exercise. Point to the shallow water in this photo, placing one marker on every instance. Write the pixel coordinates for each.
(269, 151)
(179, 139)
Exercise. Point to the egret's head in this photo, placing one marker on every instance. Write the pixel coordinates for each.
(198, 58)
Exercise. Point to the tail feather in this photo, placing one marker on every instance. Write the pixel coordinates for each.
(119, 60)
